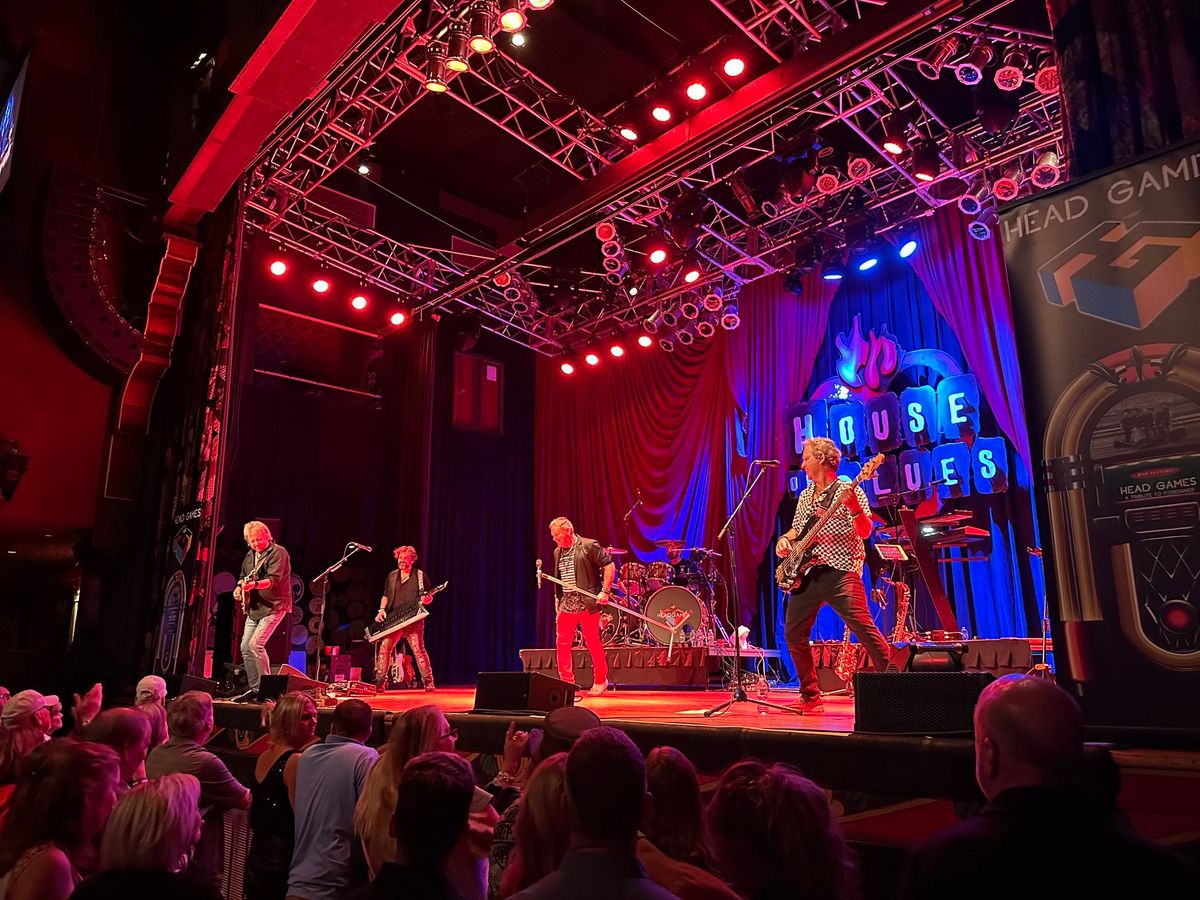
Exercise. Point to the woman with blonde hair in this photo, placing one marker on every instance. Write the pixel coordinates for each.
(292, 725)
(147, 843)
(542, 829)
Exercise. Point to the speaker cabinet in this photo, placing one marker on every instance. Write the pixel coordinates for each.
(917, 702)
(524, 692)
(181, 684)
(272, 687)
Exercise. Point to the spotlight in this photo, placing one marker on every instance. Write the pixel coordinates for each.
(592, 359)
(690, 310)
(828, 180)
(617, 351)
(359, 302)
(567, 369)
(696, 91)
(730, 319)
(658, 256)
(435, 67)
(661, 113)
(981, 228)
(931, 66)
(686, 336)
(970, 70)
(805, 256)
(644, 340)
(858, 167)
(713, 299)
(859, 231)
(1011, 74)
(833, 273)
(895, 125)
(605, 231)
(741, 191)
(398, 318)
(971, 202)
(482, 17)
(611, 250)
(707, 326)
(513, 292)
(1046, 79)
(503, 280)
(320, 285)
(691, 272)
(628, 133)
(458, 45)
(869, 263)
(797, 181)
(518, 39)
(540, 4)
(670, 318)
(734, 66)
(908, 248)
(1008, 185)
(926, 162)
(364, 165)
(666, 345)
(278, 267)
(512, 15)
(996, 112)
(1046, 170)
(633, 291)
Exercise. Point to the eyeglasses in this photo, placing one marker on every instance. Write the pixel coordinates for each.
(452, 733)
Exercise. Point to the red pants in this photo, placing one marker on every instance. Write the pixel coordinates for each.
(564, 626)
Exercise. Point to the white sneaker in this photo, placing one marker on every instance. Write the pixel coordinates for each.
(597, 689)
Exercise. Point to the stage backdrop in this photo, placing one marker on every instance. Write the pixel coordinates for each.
(1104, 284)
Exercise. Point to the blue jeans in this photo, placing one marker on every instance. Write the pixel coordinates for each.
(254, 646)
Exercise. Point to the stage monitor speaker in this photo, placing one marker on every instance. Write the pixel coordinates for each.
(288, 679)
(917, 702)
(524, 692)
(181, 684)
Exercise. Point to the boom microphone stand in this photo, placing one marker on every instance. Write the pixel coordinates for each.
(323, 581)
(737, 692)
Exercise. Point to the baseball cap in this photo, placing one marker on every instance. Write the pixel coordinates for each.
(152, 687)
(562, 727)
(25, 703)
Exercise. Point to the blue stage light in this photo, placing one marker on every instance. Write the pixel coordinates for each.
(833, 273)
(908, 248)
(869, 263)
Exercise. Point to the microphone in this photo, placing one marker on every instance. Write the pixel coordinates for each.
(766, 463)
(357, 546)
(539, 573)
(636, 504)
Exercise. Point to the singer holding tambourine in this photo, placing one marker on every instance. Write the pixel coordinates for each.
(264, 591)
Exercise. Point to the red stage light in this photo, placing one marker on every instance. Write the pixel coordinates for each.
(397, 318)
(359, 302)
(617, 351)
(320, 285)
(278, 267)
(658, 256)
(696, 91)
(628, 133)
(592, 359)
(691, 274)
(661, 114)
(734, 66)
(645, 341)
(568, 369)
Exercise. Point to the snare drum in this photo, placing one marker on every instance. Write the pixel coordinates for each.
(658, 576)
(671, 606)
(633, 578)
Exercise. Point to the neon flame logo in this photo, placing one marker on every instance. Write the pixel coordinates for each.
(869, 361)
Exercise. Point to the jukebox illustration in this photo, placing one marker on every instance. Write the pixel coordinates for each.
(1122, 466)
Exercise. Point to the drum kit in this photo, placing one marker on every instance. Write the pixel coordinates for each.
(678, 592)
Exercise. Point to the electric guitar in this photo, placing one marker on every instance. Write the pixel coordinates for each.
(242, 593)
(789, 573)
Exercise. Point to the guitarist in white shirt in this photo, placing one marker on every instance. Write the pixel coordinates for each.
(404, 587)
(835, 576)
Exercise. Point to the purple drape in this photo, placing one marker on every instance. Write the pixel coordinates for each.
(967, 282)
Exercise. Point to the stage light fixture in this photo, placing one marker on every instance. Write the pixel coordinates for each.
(617, 351)
(518, 39)
(691, 272)
(971, 202)
(833, 273)
(858, 167)
(359, 302)
(931, 66)
(458, 45)
(1046, 78)
(503, 280)
(1046, 171)
(741, 191)
(633, 291)
(666, 345)
(628, 132)
(804, 256)
(363, 166)
(686, 336)
(859, 231)
(1008, 185)
(320, 285)
(926, 161)
(567, 369)
(1011, 74)
(734, 66)
(611, 249)
(772, 207)
(895, 127)
(696, 91)
(605, 231)
(970, 70)
(670, 318)
(435, 67)
(512, 15)
(690, 310)
(996, 112)
(661, 113)
(645, 341)
(908, 247)
(797, 181)
(482, 18)
(540, 4)
(828, 180)
(658, 256)
(981, 228)
(730, 319)
(868, 263)
(592, 359)
(398, 318)
(714, 299)
(278, 267)
(707, 326)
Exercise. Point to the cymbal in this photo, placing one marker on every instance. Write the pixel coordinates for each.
(669, 542)
(704, 550)
(615, 551)
(949, 519)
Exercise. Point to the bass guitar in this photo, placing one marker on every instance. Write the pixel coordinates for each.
(789, 573)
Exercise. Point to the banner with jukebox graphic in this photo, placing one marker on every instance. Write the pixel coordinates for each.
(1105, 283)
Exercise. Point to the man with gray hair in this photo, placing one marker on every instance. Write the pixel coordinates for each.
(264, 590)
(580, 562)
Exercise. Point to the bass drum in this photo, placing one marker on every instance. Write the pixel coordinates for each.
(671, 606)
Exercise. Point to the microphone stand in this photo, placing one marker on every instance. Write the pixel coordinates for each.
(323, 580)
(737, 692)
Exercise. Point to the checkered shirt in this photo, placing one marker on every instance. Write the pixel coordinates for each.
(837, 545)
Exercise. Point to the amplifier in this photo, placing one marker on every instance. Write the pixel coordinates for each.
(917, 702)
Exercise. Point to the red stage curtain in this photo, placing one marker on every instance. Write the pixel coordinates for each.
(668, 424)
(967, 282)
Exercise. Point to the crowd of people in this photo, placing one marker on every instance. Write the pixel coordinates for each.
(116, 807)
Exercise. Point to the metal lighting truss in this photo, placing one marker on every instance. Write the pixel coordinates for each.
(378, 83)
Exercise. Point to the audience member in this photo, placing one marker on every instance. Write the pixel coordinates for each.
(542, 830)
(606, 794)
(190, 724)
(147, 843)
(63, 797)
(292, 724)
(434, 799)
(151, 698)
(5, 695)
(773, 835)
(1040, 827)
(674, 822)
(127, 731)
(83, 710)
(330, 778)
(26, 725)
